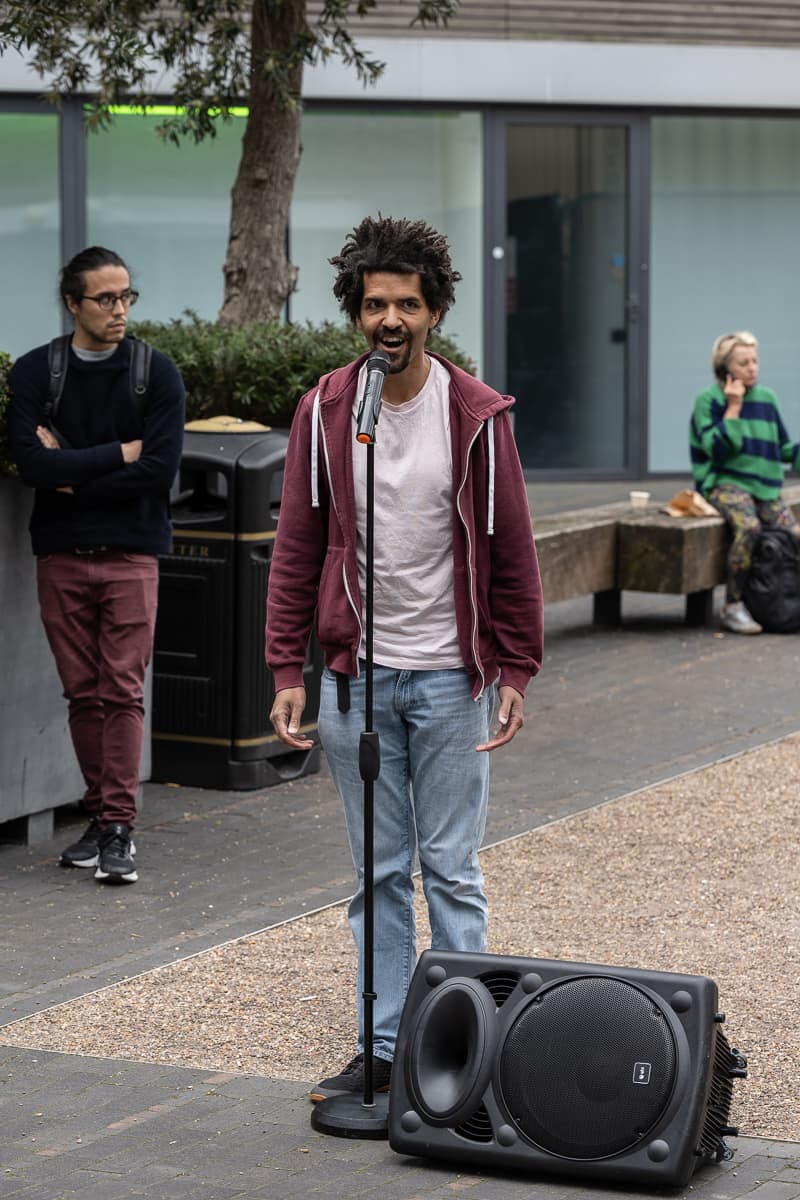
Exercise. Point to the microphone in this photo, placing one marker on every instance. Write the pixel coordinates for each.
(369, 410)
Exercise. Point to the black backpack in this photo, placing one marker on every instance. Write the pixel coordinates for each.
(772, 588)
(58, 360)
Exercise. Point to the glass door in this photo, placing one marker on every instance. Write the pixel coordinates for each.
(566, 312)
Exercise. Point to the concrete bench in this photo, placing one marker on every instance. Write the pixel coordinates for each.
(683, 556)
(578, 557)
(613, 549)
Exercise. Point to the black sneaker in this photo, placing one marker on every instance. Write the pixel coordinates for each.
(116, 856)
(352, 1079)
(83, 853)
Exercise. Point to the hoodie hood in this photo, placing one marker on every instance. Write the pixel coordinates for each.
(478, 402)
(475, 398)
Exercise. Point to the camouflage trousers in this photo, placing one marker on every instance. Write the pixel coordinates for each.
(746, 517)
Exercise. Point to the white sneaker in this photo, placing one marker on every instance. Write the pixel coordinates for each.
(737, 619)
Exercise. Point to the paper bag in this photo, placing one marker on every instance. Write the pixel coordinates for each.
(687, 503)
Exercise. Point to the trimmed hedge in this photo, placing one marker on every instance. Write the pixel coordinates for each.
(7, 466)
(258, 372)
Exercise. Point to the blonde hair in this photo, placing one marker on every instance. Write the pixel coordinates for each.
(725, 344)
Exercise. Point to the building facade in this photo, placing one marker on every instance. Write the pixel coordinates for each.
(620, 183)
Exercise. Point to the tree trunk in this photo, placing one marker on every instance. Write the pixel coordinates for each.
(258, 274)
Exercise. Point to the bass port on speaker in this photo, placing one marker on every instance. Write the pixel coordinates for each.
(588, 1067)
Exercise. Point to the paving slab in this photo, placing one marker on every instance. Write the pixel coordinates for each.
(176, 1132)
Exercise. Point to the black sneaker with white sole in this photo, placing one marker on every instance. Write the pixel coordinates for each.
(84, 852)
(116, 860)
(351, 1079)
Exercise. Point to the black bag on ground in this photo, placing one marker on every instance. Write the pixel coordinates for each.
(772, 588)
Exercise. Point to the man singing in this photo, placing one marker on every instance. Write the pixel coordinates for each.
(457, 620)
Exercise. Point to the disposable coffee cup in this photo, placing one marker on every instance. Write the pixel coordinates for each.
(639, 499)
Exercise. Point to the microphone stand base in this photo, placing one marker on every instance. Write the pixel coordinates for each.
(347, 1116)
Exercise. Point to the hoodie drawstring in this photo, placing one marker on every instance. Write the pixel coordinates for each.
(490, 505)
(315, 453)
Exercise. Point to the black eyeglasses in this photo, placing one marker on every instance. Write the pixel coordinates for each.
(107, 300)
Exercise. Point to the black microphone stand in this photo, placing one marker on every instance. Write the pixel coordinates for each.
(350, 1115)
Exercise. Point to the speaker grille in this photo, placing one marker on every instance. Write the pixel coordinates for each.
(588, 1067)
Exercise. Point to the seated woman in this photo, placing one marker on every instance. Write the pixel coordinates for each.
(739, 444)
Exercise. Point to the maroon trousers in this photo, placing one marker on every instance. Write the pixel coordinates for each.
(99, 612)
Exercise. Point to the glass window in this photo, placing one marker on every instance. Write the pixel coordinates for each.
(166, 210)
(724, 256)
(416, 165)
(30, 311)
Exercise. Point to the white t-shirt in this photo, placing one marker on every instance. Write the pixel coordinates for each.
(414, 619)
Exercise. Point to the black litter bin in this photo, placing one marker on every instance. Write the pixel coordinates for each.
(212, 692)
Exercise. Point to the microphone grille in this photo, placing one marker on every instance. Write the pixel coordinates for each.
(379, 361)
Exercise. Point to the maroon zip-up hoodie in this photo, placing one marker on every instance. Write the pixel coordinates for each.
(498, 592)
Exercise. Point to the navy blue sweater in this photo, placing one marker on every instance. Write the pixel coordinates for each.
(116, 504)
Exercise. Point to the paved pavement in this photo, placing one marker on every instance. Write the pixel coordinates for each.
(612, 711)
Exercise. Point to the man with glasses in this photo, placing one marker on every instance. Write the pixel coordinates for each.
(100, 517)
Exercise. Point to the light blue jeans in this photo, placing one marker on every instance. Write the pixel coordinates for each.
(430, 796)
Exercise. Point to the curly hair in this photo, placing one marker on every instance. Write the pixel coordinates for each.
(400, 247)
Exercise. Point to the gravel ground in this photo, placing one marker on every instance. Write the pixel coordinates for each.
(698, 875)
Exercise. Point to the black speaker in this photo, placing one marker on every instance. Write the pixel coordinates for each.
(562, 1068)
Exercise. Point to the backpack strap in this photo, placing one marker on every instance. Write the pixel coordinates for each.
(57, 359)
(141, 355)
(138, 376)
